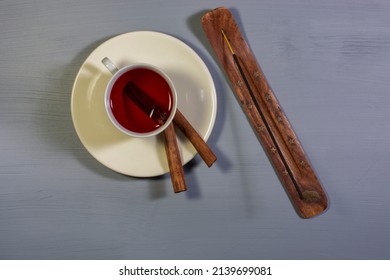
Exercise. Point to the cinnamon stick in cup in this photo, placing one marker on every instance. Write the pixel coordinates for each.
(132, 116)
(140, 114)
(156, 112)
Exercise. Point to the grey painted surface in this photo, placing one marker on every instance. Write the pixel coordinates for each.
(329, 65)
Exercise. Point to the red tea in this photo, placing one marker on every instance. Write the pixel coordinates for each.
(127, 112)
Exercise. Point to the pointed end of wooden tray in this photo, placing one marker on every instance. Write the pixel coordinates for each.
(308, 209)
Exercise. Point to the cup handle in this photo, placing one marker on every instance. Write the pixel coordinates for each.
(109, 65)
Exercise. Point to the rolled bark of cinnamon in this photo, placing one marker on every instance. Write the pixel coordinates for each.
(174, 160)
(159, 115)
(197, 141)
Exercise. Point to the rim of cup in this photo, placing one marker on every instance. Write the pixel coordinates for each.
(110, 114)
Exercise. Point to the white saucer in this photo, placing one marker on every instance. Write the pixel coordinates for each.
(135, 156)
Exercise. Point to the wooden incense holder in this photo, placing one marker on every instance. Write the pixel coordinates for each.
(264, 112)
(174, 159)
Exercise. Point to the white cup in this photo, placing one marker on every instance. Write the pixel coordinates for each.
(117, 73)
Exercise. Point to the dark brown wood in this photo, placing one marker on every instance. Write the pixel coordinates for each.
(265, 114)
(174, 159)
(197, 141)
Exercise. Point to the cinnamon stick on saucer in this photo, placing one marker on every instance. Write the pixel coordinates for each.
(147, 104)
(197, 141)
(174, 159)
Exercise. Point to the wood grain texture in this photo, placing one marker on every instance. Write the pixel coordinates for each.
(265, 113)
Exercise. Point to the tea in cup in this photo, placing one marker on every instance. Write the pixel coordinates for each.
(140, 99)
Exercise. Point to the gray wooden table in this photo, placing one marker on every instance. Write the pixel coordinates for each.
(328, 63)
